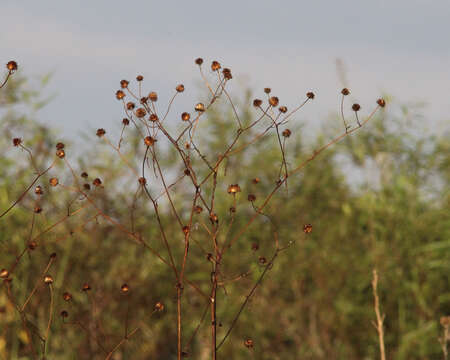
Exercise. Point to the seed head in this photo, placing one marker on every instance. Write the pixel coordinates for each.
(310, 95)
(53, 256)
(124, 84)
(186, 229)
(159, 306)
(356, 107)
(17, 141)
(215, 65)
(214, 218)
(86, 287)
(53, 181)
(149, 140)
(286, 133)
(233, 189)
(180, 88)
(139, 78)
(198, 209)
(283, 109)
(38, 190)
(381, 102)
(130, 105)
(37, 209)
(200, 107)
(267, 90)
(11, 66)
(251, 197)
(199, 61)
(4, 273)
(307, 228)
(256, 181)
(141, 112)
(255, 246)
(142, 181)
(101, 132)
(60, 146)
(144, 100)
(125, 288)
(120, 94)
(97, 182)
(345, 91)
(64, 314)
(227, 74)
(257, 102)
(125, 122)
(153, 96)
(67, 296)
(262, 260)
(48, 279)
(185, 116)
(32, 245)
(187, 172)
(87, 187)
(60, 153)
(248, 343)
(273, 101)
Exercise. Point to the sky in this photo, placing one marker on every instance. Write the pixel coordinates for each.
(395, 47)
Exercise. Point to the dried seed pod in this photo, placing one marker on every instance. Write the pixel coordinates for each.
(144, 100)
(200, 107)
(130, 105)
(256, 180)
(32, 245)
(53, 181)
(198, 209)
(381, 102)
(84, 174)
(120, 94)
(125, 288)
(262, 260)
(86, 287)
(248, 343)
(101, 132)
(4, 273)
(124, 84)
(139, 78)
(153, 118)
(267, 90)
(257, 102)
(187, 172)
(11, 66)
(67, 296)
(185, 116)
(153, 96)
(233, 189)
(60, 146)
(87, 187)
(286, 133)
(53, 256)
(64, 314)
(215, 65)
(273, 101)
(141, 112)
(38, 190)
(17, 141)
(60, 153)
(159, 306)
(48, 279)
(149, 140)
(345, 91)
(125, 122)
(310, 95)
(283, 109)
(186, 229)
(251, 197)
(356, 107)
(199, 61)
(142, 181)
(180, 88)
(37, 209)
(307, 228)
(97, 182)
(214, 218)
(445, 321)
(227, 74)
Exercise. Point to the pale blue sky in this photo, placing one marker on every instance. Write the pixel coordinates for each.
(397, 46)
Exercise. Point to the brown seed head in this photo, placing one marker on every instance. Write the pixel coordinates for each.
(11, 66)
(48, 279)
(273, 101)
(286, 133)
(67, 296)
(101, 132)
(213, 217)
(17, 141)
(248, 343)
(345, 91)
(32, 245)
(251, 197)
(186, 229)
(187, 172)
(283, 109)
(149, 140)
(381, 102)
(307, 228)
(144, 100)
(180, 88)
(87, 187)
(86, 287)
(215, 65)
(159, 306)
(60, 146)
(125, 122)
(4, 273)
(356, 107)
(120, 94)
(233, 189)
(153, 96)
(97, 182)
(142, 181)
(38, 190)
(227, 74)
(267, 90)
(255, 246)
(310, 95)
(141, 112)
(198, 209)
(445, 321)
(130, 105)
(53, 181)
(124, 84)
(256, 181)
(200, 107)
(199, 61)
(64, 314)
(125, 288)
(185, 116)
(257, 102)
(60, 153)
(139, 78)
(53, 256)
(37, 209)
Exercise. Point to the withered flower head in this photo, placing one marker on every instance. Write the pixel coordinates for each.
(227, 74)
(159, 306)
(87, 187)
(251, 197)
(124, 84)
(248, 343)
(310, 95)
(37, 209)
(97, 182)
(153, 118)
(32, 245)
(199, 61)
(233, 189)
(54, 181)
(381, 102)
(283, 109)
(307, 228)
(186, 229)
(60, 153)
(273, 101)
(4, 273)
(267, 90)
(356, 107)
(60, 146)
(11, 66)
(142, 181)
(125, 122)
(86, 287)
(84, 174)
(257, 102)
(101, 132)
(198, 209)
(153, 96)
(215, 65)
(53, 255)
(185, 116)
(141, 112)
(180, 88)
(149, 140)
(200, 107)
(64, 314)
(256, 181)
(125, 288)
(17, 141)
(130, 105)
(120, 94)
(345, 91)
(139, 78)
(286, 133)
(38, 190)
(67, 296)
(48, 279)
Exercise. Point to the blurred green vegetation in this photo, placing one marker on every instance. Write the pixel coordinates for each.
(379, 199)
